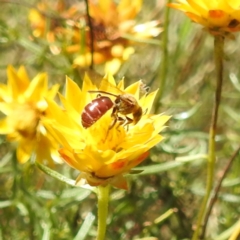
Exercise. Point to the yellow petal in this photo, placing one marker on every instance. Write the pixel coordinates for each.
(17, 85)
(22, 73)
(37, 88)
(87, 85)
(121, 84)
(134, 89)
(24, 151)
(113, 66)
(81, 160)
(70, 108)
(4, 127)
(6, 108)
(128, 9)
(74, 95)
(4, 93)
(46, 150)
(52, 92)
(105, 5)
(146, 102)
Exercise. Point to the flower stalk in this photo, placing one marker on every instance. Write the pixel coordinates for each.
(218, 54)
(103, 199)
(91, 33)
(216, 191)
(164, 65)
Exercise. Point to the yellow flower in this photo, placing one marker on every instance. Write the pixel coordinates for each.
(23, 103)
(218, 16)
(46, 25)
(103, 154)
(68, 30)
(110, 22)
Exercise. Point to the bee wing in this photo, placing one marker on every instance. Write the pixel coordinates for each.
(95, 77)
(137, 89)
(108, 84)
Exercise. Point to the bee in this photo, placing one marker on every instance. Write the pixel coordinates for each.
(124, 104)
(95, 110)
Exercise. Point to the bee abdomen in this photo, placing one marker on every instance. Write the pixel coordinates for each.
(95, 110)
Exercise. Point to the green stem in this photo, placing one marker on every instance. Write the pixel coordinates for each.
(91, 33)
(164, 63)
(216, 191)
(218, 54)
(103, 199)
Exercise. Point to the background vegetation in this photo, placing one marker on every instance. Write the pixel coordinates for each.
(163, 201)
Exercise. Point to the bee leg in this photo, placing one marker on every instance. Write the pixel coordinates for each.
(121, 121)
(127, 121)
(124, 122)
(115, 117)
(113, 123)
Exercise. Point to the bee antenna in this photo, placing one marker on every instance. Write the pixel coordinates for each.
(103, 92)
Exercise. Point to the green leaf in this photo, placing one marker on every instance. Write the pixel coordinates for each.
(162, 167)
(6, 203)
(60, 177)
(86, 226)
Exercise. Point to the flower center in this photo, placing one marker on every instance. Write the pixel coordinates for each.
(24, 119)
(104, 137)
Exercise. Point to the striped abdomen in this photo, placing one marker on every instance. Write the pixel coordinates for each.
(95, 110)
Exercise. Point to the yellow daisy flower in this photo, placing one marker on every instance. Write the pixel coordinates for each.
(91, 143)
(23, 103)
(218, 16)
